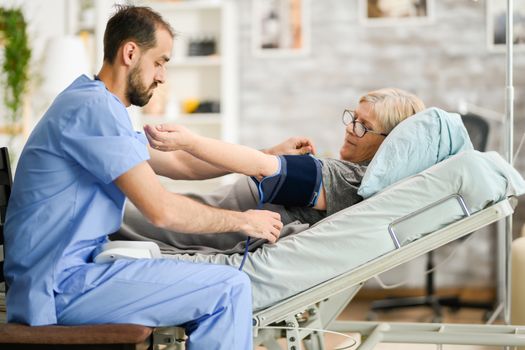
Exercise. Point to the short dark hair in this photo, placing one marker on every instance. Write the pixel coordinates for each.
(135, 23)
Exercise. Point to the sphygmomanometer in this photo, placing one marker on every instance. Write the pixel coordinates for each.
(297, 183)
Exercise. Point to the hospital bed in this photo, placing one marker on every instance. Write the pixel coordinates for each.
(323, 303)
(466, 192)
(307, 279)
(303, 282)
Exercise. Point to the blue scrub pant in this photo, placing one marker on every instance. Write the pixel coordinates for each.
(212, 302)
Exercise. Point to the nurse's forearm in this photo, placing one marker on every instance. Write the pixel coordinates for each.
(179, 213)
(235, 158)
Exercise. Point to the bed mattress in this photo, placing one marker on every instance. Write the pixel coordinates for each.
(358, 234)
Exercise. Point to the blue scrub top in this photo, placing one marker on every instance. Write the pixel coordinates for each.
(64, 203)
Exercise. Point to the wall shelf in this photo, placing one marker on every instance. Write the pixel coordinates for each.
(193, 5)
(185, 119)
(202, 78)
(195, 62)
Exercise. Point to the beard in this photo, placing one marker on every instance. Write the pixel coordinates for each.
(136, 92)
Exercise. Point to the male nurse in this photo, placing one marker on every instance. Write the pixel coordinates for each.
(80, 163)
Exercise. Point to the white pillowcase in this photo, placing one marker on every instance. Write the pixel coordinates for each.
(414, 145)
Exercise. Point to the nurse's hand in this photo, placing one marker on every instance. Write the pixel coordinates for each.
(169, 137)
(293, 146)
(262, 224)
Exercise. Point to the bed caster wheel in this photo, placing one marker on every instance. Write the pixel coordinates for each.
(487, 315)
(371, 316)
(437, 319)
(454, 309)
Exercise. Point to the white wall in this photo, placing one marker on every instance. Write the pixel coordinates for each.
(443, 62)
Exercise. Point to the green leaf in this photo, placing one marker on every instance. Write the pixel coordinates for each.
(15, 67)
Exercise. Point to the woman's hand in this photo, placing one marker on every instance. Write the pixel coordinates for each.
(293, 146)
(169, 137)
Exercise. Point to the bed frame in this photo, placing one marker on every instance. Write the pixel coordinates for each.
(300, 316)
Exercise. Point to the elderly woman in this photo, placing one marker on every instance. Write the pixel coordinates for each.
(296, 262)
(377, 113)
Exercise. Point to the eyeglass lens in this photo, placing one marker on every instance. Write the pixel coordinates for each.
(358, 128)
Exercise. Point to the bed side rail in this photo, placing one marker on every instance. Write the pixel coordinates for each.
(425, 211)
(297, 303)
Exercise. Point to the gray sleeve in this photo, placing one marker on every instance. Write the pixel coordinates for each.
(341, 180)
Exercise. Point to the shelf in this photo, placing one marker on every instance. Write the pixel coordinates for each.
(196, 61)
(206, 78)
(185, 119)
(186, 5)
(198, 118)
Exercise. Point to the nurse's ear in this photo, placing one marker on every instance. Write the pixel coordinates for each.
(130, 53)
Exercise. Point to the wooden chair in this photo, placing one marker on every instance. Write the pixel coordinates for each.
(100, 337)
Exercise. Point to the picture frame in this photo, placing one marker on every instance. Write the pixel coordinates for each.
(496, 25)
(401, 12)
(280, 28)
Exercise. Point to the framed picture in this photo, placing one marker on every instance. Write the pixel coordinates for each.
(280, 27)
(496, 25)
(388, 12)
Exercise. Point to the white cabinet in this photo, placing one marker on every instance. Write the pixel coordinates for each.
(194, 75)
(197, 74)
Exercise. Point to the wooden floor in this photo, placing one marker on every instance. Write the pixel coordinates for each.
(359, 310)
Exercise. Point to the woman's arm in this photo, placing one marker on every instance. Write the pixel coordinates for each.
(223, 155)
(180, 165)
(296, 145)
(220, 156)
(321, 200)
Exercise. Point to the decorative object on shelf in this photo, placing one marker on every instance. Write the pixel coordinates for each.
(208, 106)
(280, 27)
(190, 105)
(386, 12)
(15, 69)
(193, 105)
(496, 25)
(202, 46)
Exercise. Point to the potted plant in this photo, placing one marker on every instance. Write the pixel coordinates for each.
(14, 73)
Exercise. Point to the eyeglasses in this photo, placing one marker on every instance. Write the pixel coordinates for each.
(359, 128)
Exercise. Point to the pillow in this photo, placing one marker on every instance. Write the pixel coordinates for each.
(414, 145)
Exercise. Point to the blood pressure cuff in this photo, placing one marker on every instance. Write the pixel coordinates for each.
(297, 182)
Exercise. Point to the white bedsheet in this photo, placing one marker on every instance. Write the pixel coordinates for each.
(359, 234)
